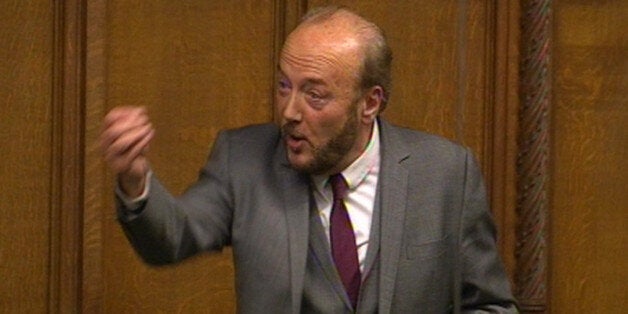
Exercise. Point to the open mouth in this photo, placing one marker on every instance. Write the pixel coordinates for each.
(295, 142)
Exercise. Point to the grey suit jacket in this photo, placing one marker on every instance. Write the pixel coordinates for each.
(437, 240)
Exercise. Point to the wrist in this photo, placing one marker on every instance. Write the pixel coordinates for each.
(132, 186)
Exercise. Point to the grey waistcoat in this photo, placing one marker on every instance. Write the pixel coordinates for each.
(323, 291)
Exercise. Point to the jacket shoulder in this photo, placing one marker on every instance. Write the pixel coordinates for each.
(255, 132)
(422, 143)
(252, 137)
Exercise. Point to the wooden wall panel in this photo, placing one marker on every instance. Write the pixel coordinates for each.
(198, 66)
(26, 38)
(533, 157)
(97, 185)
(503, 43)
(589, 212)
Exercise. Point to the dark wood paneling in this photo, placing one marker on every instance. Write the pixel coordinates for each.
(533, 157)
(68, 88)
(97, 185)
(198, 66)
(26, 39)
(589, 260)
(501, 145)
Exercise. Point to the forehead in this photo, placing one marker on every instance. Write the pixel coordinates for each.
(321, 49)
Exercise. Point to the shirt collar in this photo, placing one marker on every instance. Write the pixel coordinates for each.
(357, 171)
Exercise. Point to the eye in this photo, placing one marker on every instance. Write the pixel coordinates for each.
(283, 86)
(316, 99)
(314, 96)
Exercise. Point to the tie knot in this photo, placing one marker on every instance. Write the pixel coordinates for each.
(338, 186)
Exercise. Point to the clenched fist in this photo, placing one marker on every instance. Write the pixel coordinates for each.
(126, 134)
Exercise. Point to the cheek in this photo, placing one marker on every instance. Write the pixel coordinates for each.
(323, 127)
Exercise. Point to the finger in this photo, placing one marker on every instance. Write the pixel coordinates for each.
(128, 139)
(118, 138)
(122, 126)
(138, 149)
(119, 113)
(128, 162)
(121, 145)
(123, 122)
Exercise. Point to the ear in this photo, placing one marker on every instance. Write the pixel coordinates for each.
(372, 104)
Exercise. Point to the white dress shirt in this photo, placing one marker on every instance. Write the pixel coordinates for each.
(361, 177)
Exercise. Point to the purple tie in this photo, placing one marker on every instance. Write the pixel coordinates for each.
(342, 238)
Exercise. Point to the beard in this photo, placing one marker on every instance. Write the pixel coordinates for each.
(327, 155)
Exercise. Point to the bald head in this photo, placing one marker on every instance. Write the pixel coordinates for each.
(347, 29)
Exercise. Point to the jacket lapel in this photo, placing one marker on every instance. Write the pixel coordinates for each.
(393, 185)
(295, 191)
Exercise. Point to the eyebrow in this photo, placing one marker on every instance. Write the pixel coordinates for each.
(308, 81)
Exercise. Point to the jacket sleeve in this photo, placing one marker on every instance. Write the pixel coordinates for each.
(484, 286)
(167, 229)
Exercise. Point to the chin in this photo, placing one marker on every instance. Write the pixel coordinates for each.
(300, 165)
(308, 167)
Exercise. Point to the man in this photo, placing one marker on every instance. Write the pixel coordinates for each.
(331, 209)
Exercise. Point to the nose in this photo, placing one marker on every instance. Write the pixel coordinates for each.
(292, 108)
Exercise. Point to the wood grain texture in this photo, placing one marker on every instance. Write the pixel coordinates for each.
(97, 185)
(533, 157)
(589, 215)
(67, 156)
(25, 142)
(199, 67)
(501, 143)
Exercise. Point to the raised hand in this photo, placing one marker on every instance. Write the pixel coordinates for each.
(126, 134)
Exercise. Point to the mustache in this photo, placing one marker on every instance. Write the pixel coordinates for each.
(289, 129)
